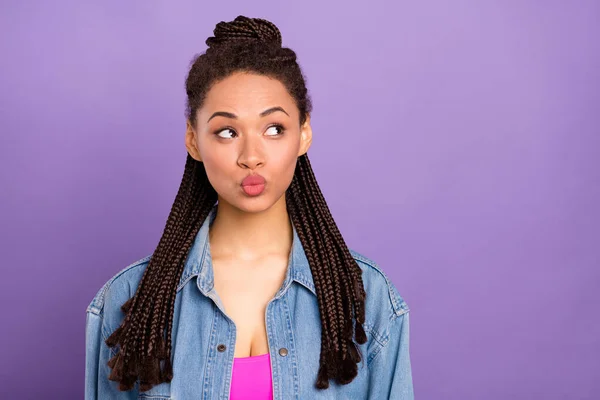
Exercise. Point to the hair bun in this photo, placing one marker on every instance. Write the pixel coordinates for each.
(245, 29)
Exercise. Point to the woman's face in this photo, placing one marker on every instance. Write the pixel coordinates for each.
(249, 124)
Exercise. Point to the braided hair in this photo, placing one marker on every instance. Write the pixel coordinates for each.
(144, 353)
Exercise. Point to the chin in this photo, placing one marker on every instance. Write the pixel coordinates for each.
(249, 204)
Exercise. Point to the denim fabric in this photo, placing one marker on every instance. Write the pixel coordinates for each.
(202, 367)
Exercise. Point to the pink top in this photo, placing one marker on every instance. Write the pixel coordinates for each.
(251, 378)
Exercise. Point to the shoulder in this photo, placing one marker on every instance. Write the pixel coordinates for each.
(383, 304)
(119, 288)
(378, 285)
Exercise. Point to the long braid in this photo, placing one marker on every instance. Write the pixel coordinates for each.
(207, 199)
(348, 355)
(245, 44)
(358, 294)
(328, 267)
(166, 284)
(348, 267)
(164, 264)
(178, 214)
(296, 205)
(174, 222)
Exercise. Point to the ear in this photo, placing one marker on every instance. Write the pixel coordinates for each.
(190, 141)
(305, 136)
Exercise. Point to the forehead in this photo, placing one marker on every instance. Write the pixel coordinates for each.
(247, 94)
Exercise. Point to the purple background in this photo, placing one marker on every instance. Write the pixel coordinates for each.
(456, 143)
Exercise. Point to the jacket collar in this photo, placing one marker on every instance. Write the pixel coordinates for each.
(198, 262)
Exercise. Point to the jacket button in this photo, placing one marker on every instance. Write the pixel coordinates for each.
(283, 352)
(221, 347)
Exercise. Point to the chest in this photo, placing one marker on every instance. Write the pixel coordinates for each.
(204, 344)
(245, 288)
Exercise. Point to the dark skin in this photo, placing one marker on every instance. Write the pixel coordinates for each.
(251, 237)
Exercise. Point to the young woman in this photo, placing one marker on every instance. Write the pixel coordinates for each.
(251, 291)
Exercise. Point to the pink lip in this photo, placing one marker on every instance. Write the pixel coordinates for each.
(253, 185)
(251, 180)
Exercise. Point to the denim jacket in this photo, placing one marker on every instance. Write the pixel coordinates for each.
(204, 337)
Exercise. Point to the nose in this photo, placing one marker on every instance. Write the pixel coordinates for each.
(251, 152)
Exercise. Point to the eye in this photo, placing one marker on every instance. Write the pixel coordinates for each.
(224, 130)
(280, 127)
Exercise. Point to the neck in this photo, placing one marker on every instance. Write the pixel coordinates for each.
(250, 235)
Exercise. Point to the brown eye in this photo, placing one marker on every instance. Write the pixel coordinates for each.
(223, 130)
(280, 127)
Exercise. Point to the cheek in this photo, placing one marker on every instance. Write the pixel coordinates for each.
(218, 168)
(286, 165)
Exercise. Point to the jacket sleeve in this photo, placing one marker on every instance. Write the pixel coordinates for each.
(97, 354)
(390, 373)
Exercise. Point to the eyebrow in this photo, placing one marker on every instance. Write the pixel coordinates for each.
(233, 116)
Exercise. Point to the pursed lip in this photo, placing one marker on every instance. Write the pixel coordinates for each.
(254, 179)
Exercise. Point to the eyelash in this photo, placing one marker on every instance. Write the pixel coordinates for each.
(281, 128)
